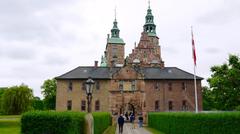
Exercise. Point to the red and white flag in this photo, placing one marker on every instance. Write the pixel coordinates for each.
(193, 49)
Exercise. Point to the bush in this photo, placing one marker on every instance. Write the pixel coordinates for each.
(237, 108)
(191, 123)
(102, 120)
(50, 122)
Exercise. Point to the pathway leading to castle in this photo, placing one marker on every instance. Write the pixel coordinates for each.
(127, 129)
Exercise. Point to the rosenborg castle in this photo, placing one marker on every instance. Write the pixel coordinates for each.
(138, 82)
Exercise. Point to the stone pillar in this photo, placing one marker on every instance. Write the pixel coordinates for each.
(89, 127)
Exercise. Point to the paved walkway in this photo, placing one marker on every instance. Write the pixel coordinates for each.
(127, 129)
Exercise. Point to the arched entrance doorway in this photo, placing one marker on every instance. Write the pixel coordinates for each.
(132, 107)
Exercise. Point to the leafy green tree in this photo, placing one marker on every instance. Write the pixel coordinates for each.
(208, 99)
(49, 88)
(17, 99)
(37, 104)
(1, 94)
(225, 84)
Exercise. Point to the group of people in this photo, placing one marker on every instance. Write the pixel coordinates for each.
(121, 121)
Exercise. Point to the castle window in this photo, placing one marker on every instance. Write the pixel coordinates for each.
(97, 85)
(83, 105)
(157, 86)
(157, 106)
(170, 105)
(184, 105)
(69, 86)
(69, 105)
(133, 85)
(170, 86)
(184, 86)
(121, 85)
(97, 105)
(114, 52)
(83, 86)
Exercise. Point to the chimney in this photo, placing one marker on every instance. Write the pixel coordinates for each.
(95, 64)
(108, 36)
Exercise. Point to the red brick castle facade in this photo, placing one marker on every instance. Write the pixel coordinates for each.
(138, 83)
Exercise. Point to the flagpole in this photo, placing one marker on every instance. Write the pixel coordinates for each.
(195, 88)
(194, 61)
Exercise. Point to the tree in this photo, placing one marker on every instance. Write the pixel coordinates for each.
(225, 84)
(49, 88)
(1, 94)
(208, 99)
(17, 99)
(37, 104)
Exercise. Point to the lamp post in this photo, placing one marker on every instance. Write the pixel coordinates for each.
(89, 90)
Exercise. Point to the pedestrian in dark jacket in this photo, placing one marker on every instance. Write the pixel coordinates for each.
(120, 123)
(140, 121)
(132, 118)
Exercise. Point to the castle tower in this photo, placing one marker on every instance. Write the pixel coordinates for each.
(115, 47)
(148, 51)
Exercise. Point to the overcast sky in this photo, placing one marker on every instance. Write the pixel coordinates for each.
(42, 39)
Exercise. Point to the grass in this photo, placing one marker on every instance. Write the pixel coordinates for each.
(153, 131)
(10, 124)
(110, 130)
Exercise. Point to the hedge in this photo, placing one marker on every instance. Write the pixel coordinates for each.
(50, 122)
(191, 123)
(102, 120)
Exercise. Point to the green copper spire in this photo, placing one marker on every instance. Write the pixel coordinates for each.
(115, 39)
(149, 25)
(115, 31)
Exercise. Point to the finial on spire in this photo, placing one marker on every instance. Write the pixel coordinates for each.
(149, 4)
(115, 11)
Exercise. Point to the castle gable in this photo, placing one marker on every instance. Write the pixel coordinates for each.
(127, 73)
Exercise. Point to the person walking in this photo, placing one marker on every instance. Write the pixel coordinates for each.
(132, 118)
(120, 123)
(126, 115)
(140, 121)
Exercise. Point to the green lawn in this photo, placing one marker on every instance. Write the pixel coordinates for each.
(110, 130)
(10, 124)
(154, 131)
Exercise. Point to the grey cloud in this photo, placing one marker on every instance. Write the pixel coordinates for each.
(39, 21)
(18, 53)
(169, 49)
(227, 13)
(212, 50)
(55, 59)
